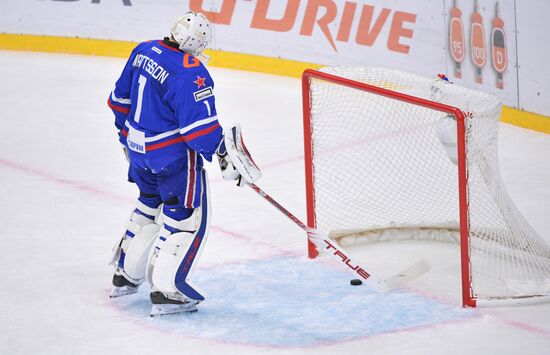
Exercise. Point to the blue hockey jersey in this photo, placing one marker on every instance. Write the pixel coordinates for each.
(164, 105)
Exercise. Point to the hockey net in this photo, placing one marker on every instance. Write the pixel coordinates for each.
(375, 164)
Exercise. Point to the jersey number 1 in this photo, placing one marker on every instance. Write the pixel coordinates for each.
(142, 81)
(207, 104)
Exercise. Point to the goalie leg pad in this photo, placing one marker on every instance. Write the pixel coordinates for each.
(130, 252)
(168, 260)
(137, 253)
(174, 255)
(170, 226)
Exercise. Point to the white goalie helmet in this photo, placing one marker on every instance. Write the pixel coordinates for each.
(192, 32)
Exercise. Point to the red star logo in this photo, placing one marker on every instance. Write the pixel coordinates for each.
(200, 82)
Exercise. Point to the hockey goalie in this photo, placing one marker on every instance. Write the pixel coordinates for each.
(166, 116)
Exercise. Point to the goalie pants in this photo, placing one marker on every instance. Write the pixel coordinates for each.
(176, 183)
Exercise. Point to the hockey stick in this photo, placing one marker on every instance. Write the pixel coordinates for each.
(323, 243)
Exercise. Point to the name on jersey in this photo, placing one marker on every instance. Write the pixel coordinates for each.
(203, 94)
(151, 67)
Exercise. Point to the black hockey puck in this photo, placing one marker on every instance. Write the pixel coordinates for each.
(356, 282)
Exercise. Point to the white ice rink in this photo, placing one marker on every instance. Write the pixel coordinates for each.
(64, 200)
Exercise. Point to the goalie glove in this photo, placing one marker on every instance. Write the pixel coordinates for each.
(229, 172)
(235, 160)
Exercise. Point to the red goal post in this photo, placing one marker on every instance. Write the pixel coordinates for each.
(380, 89)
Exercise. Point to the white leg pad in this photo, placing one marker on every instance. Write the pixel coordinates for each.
(190, 224)
(168, 260)
(134, 225)
(134, 244)
(158, 244)
(137, 252)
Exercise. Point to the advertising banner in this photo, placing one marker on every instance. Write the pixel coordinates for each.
(481, 46)
(488, 45)
(374, 33)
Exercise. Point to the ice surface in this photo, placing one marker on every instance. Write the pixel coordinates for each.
(293, 302)
(64, 200)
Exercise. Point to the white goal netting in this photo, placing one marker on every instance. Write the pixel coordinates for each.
(380, 164)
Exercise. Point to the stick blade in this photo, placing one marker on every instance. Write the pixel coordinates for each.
(407, 275)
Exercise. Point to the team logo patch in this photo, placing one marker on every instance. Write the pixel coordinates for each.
(200, 82)
(203, 94)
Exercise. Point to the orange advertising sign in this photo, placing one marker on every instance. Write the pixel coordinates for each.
(477, 43)
(335, 19)
(498, 47)
(456, 39)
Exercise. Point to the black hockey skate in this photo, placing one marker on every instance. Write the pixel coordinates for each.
(122, 286)
(164, 305)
